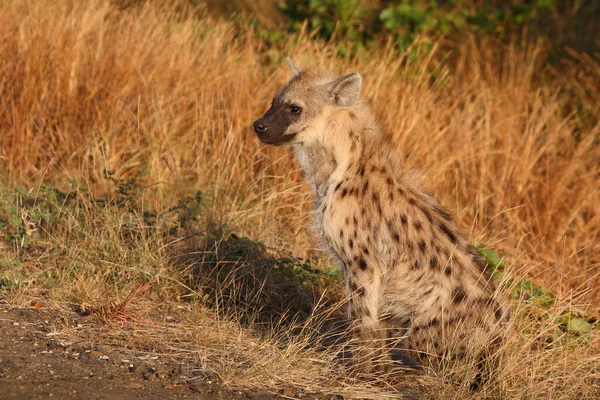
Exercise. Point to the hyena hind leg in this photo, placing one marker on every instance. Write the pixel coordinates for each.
(402, 354)
(488, 365)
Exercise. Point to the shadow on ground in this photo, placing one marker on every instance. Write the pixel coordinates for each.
(242, 279)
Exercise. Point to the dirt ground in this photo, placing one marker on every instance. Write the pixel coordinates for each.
(35, 363)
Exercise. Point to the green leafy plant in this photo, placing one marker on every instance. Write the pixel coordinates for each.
(361, 21)
(574, 322)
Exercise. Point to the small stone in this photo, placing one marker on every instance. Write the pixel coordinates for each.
(96, 354)
(195, 387)
(135, 385)
(76, 349)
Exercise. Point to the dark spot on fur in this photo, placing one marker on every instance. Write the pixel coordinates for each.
(448, 233)
(416, 264)
(396, 236)
(344, 193)
(351, 243)
(428, 291)
(404, 219)
(360, 291)
(409, 245)
(352, 286)
(418, 225)
(448, 271)
(428, 216)
(365, 251)
(389, 181)
(337, 187)
(443, 213)
(376, 197)
(432, 323)
(347, 220)
(390, 223)
(391, 196)
(352, 116)
(362, 264)
(433, 263)
(361, 171)
(365, 188)
(422, 246)
(341, 234)
(458, 295)
(412, 201)
(498, 314)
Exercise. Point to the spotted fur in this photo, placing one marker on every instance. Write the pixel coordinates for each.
(410, 274)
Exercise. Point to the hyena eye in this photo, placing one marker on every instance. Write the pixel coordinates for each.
(295, 110)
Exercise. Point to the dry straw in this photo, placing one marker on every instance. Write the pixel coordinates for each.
(154, 95)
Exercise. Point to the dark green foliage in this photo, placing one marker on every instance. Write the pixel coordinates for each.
(346, 17)
(367, 22)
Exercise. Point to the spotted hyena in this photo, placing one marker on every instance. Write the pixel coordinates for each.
(409, 273)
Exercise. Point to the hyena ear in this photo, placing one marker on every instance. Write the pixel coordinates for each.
(344, 91)
(294, 68)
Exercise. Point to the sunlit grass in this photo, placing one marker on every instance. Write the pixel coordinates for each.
(142, 119)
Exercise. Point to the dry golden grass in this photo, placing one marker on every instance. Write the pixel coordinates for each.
(153, 95)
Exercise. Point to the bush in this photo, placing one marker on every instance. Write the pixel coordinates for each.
(362, 21)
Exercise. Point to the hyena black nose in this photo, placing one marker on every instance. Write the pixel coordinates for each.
(259, 127)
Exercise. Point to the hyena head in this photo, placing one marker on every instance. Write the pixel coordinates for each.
(303, 104)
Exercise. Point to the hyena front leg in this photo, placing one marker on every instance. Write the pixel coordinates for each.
(369, 334)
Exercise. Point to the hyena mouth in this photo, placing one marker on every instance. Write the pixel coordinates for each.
(277, 140)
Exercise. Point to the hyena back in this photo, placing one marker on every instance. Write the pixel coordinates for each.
(409, 272)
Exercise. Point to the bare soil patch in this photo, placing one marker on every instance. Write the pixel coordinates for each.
(37, 362)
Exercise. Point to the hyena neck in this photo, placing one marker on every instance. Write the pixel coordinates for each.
(345, 138)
